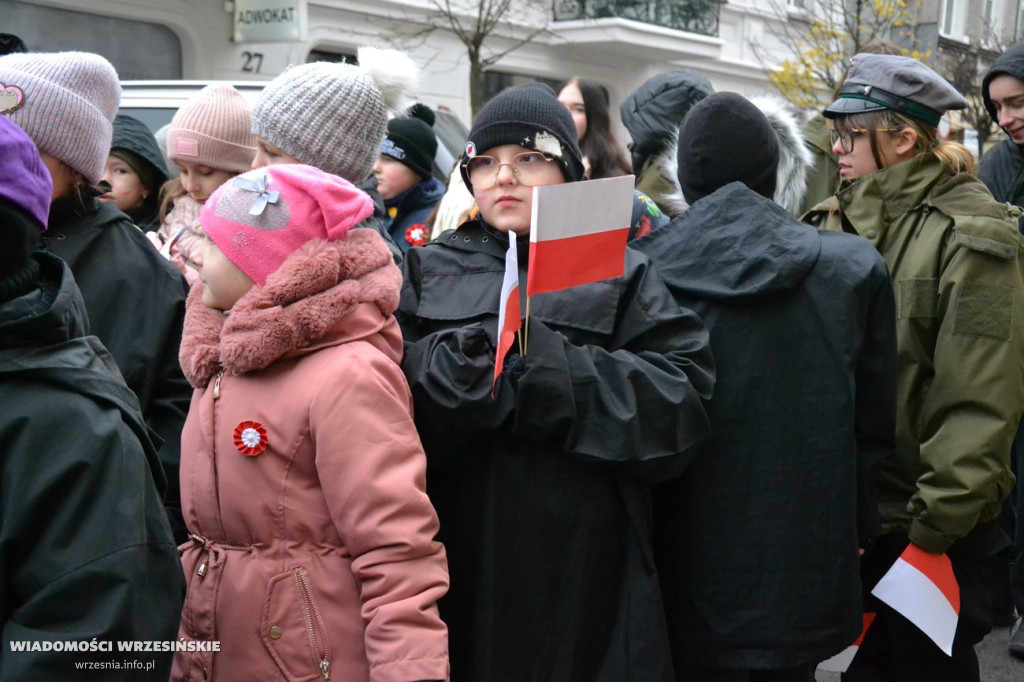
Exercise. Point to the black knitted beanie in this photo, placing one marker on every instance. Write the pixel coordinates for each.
(725, 138)
(411, 139)
(530, 116)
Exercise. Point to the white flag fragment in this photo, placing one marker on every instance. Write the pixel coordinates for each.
(922, 588)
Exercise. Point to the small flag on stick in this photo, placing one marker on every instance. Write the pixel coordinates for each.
(509, 317)
(578, 233)
(922, 588)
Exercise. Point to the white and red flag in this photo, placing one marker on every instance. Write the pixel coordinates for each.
(578, 233)
(922, 588)
(841, 661)
(509, 317)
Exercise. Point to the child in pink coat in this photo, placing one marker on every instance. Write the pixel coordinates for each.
(303, 478)
(210, 142)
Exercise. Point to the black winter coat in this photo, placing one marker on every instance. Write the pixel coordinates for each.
(758, 541)
(543, 492)
(85, 550)
(135, 300)
(1002, 171)
(1002, 166)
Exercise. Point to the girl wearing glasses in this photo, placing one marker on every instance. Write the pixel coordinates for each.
(956, 262)
(542, 489)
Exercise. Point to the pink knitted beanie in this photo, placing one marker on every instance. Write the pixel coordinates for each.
(261, 217)
(212, 130)
(66, 102)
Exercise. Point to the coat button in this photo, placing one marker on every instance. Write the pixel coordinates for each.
(871, 234)
(275, 632)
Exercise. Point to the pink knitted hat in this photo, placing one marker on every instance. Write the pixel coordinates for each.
(66, 102)
(261, 217)
(212, 129)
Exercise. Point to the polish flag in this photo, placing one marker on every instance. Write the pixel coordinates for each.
(922, 588)
(578, 233)
(509, 317)
(841, 661)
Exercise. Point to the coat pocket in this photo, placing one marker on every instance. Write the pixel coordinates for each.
(293, 630)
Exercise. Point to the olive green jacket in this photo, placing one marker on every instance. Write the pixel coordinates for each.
(823, 178)
(955, 256)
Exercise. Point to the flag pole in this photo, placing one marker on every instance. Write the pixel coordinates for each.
(524, 345)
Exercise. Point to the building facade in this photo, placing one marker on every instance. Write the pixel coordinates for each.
(617, 43)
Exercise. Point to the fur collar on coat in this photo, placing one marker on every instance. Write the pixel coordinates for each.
(302, 302)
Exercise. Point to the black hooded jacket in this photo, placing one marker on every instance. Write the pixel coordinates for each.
(542, 491)
(135, 301)
(1002, 167)
(652, 113)
(757, 542)
(86, 554)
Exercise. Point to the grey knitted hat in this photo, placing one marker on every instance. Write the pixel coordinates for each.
(66, 102)
(333, 116)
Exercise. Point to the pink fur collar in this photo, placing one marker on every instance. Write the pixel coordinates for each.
(303, 300)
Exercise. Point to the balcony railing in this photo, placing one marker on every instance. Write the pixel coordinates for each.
(694, 16)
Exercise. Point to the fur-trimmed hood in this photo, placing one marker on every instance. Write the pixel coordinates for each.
(795, 161)
(326, 293)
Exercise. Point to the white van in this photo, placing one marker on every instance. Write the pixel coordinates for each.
(155, 103)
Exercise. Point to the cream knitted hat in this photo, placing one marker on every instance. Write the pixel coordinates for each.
(212, 129)
(66, 102)
(333, 116)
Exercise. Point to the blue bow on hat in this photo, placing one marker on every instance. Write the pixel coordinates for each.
(259, 185)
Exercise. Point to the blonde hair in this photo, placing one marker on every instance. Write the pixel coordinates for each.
(953, 155)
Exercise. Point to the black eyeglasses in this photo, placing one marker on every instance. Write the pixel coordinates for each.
(529, 168)
(846, 137)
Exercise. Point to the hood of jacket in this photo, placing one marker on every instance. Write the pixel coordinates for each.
(44, 335)
(732, 244)
(1010, 62)
(652, 113)
(326, 293)
(660, 178)
(53, 313)
(795, 159)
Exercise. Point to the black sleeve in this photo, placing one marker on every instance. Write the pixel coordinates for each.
(85, 550)
(639, 401)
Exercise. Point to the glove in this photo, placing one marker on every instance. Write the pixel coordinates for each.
(515, 368)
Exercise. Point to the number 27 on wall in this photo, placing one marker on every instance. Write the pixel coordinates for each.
(252, 61)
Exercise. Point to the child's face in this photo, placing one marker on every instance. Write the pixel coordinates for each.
(507, 205)
(127, 190)
(202, 181)
(394, 178)
(224, 282)
(269, 155)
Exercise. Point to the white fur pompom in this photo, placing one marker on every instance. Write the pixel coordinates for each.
(395, 74)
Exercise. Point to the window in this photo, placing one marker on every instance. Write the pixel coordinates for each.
(954, 19)
(321, 55)
(138, 50)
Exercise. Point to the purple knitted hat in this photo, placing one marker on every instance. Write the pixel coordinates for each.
(66, 102)
(24, 181)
